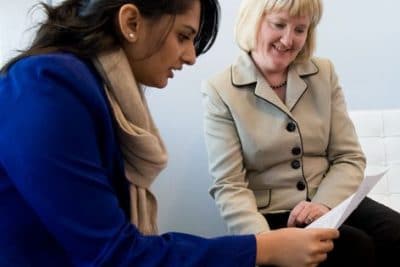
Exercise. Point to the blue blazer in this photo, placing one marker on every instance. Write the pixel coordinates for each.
(63, 195)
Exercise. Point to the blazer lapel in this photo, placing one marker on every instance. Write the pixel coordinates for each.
(264, 91)
(296, 85)
(244, 73)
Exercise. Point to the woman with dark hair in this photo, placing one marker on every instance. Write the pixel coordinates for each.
(79, 149)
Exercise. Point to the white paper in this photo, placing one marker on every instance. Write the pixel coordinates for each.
(336, 216)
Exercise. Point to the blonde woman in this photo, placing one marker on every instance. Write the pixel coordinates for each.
(282, 148)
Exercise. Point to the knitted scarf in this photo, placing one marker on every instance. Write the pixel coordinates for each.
(143, 150)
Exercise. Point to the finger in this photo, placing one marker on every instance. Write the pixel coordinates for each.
(314, 212)
(326, 246)
(308, 220)
(294, 213)
(304, 216)
(320, 258)
(327, 233)
(311, 217)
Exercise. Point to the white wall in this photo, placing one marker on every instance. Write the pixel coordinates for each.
(16, 21)
(360, 36)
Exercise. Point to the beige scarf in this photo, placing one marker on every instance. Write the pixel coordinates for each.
(141, 145)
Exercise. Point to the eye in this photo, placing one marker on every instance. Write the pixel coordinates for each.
(279, 25)
(300, 30)
(183, 37)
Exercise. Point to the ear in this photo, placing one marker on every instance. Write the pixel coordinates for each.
(129, 22)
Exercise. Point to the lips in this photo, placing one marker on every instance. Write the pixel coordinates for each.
(172, 70)
(170, 74)
(279, 48)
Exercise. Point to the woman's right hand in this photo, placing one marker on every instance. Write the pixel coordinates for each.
(294, 247)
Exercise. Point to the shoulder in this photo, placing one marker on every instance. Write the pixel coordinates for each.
(324, 65)
(50, 60)
(222, 77)
(240, 73)
(62, 67)
(314, 65)
(50, 91)
(217, 84)
(316, 68)
(55, 75)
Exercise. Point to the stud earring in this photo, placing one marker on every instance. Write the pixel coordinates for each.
(131, 35)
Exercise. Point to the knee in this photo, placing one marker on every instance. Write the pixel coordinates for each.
(355, 248)
(357, 241)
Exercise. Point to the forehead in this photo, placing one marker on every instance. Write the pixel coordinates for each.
(190, 17)
(286, 16)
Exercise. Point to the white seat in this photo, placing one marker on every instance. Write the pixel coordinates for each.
(379, 134)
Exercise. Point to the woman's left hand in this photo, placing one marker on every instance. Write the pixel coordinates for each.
(305, 213)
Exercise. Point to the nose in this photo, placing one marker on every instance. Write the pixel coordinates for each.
(287, 38)
(189, 55)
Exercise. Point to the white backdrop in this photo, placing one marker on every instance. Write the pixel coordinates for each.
(361, 37)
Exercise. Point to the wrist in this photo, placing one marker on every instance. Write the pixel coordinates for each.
(264, 250)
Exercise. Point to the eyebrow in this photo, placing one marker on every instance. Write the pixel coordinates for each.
(281, 19)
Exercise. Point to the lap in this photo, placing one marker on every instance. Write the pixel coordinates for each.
(376, 219)
(371, 233)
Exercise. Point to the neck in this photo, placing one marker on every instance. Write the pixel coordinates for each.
(276, 78)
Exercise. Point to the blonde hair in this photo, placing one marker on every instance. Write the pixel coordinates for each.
(251, 12)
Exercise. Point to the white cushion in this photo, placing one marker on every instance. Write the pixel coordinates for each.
(379, 135)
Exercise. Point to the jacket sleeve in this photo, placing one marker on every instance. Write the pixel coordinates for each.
(346, 158)
(54, 161)
(236, 202)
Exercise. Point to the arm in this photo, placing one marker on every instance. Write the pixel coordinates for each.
(347, 161)
(55, 162)
(236, 202)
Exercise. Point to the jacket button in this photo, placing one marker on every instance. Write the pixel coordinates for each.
(296, 151)
(295, 164)
(291, 127)
(300, 185)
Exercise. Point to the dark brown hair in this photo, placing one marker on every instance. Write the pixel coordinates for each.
(87, 27)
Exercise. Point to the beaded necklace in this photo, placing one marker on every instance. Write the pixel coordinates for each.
(279, 85)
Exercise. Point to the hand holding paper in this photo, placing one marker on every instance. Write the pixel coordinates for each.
(336, 216)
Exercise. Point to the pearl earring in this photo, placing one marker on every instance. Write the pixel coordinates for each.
(131, 35)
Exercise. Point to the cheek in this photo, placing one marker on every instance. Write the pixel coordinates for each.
(264, 42)
(301, 42)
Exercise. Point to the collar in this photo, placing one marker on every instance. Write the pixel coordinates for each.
(244, 72)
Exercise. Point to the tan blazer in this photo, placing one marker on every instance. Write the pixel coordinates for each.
(265, 155)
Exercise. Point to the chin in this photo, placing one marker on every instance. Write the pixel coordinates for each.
(161, 84)
(157, 84)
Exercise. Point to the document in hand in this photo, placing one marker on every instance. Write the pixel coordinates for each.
(336, 216)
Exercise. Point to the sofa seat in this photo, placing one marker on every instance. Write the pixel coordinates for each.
(379, 135)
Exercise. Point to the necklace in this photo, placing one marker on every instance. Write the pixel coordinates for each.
(279, 85)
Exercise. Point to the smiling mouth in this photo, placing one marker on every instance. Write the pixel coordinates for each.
(280, 48)
(172, 70)
(170, 74)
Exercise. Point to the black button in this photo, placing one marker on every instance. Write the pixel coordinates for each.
(291, 127)
(300, 185)
(296, 151)
(295, 164)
